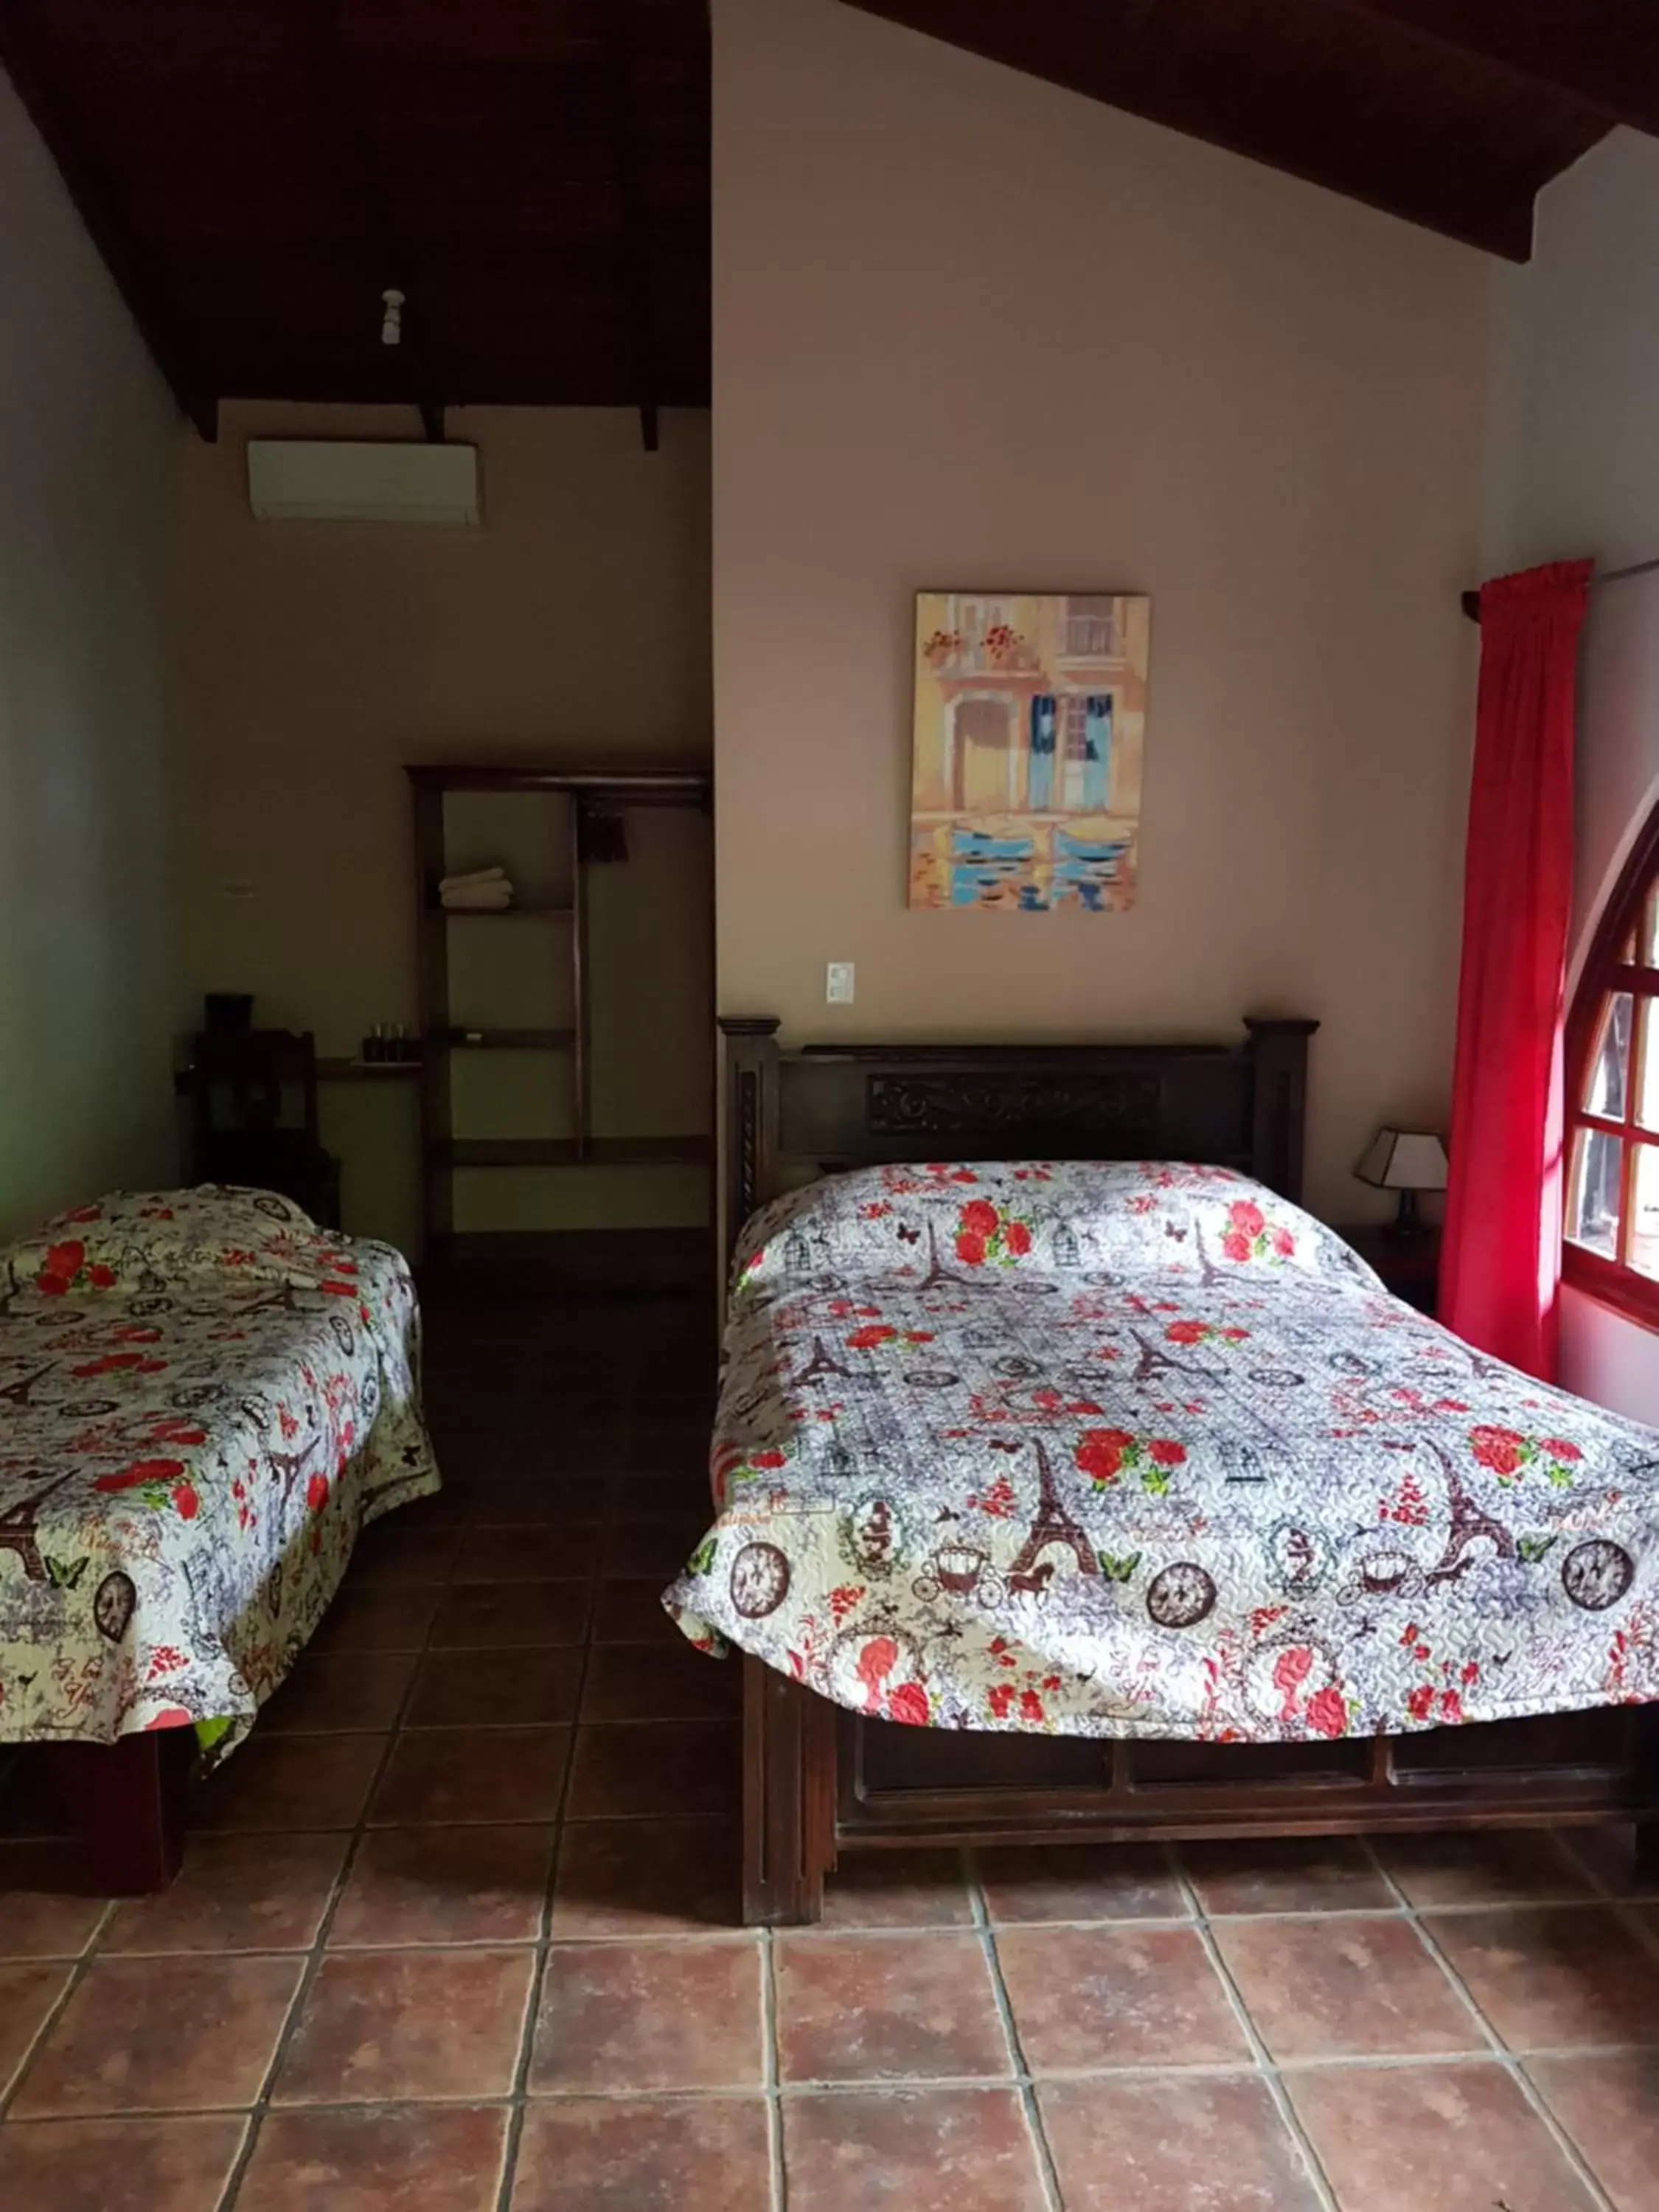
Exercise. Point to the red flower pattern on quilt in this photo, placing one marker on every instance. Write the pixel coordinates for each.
(1507, 1454)
(985, 1234)
(1126, 1448)
(179, 1558)
(1103, 1455)
(1247, 1235)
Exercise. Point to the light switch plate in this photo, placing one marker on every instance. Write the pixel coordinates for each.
(838, 983)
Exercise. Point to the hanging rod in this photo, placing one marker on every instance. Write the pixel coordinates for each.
(1471, 600)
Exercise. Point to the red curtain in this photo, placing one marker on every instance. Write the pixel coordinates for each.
(1501, 1265)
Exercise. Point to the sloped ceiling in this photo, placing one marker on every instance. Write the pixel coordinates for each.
(534, 174)
(1450, 113)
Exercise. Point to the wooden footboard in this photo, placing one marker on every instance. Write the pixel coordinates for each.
(820, 1781)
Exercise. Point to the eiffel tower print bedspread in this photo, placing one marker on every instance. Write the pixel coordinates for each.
(203, 1398)
(1145, 1450)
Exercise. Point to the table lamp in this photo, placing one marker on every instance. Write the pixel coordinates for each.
(1406, 1160)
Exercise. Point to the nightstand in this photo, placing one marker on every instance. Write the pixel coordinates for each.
(1409, 1266)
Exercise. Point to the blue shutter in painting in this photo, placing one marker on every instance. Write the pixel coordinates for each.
(1097, 754)
(1040, 783)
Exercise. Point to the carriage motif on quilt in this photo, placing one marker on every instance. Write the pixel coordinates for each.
(1215, 1484)
(961, 1570)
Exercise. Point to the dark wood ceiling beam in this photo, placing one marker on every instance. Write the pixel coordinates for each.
(185, 377)
(636, 252)
(1320, 114)
(269, 184)
(1603, 54)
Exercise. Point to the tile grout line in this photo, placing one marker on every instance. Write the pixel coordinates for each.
(853, 2086)
(737, 1937)
(515, 2102)
(1047, 2176)
(1567, 1841)
(79, 1969)
(93, 1951)
(544, 1948)
(1627, 1910)
(1266, 2067)
(777, 2167)
(315, 1957)
(1510, 2060)
(887, 1930)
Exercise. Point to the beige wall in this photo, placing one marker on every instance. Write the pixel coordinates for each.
(319, 658)
(1574, 469)
(89, 443)
(973, 331)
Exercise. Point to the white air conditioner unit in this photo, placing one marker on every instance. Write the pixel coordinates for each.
(345, 480)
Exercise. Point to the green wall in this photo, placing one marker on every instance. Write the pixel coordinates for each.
(90, 449)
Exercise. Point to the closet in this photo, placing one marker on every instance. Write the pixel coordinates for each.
(566, 1004)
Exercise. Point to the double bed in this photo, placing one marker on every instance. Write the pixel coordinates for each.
(205, 1399)
(1072, 1482)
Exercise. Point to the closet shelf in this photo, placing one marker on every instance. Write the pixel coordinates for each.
(503, 1039)
(338, 1069)
(566, 1152)
(689, 1150)
(504, 1151)
(541, 908)
(554, 850)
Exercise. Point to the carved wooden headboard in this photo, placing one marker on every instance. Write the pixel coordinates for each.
(793, 1114)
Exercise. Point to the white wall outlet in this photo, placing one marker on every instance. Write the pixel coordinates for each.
(838, 983)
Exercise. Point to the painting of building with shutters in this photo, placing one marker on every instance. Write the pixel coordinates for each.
(1030, 718)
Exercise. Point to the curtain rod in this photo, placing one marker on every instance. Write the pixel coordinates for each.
(1471, 600)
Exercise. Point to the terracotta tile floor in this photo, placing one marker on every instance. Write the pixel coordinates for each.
(457, 1931)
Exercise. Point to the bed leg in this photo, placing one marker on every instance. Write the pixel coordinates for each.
(125, 1803)
(788, 1798)
(1645, 1867)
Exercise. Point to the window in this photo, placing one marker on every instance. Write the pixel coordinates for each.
(1613, 1072)
(972, 620)
(1077, 727)
(1090, 628)
(1085, 782)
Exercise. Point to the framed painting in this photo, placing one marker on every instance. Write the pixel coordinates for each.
(1030, 720)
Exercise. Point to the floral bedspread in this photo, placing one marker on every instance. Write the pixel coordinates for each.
(1145, 1450)
(203, 1398)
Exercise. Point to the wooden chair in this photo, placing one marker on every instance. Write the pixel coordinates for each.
(257, 1119)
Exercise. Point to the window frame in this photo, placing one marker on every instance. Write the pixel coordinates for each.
(1614, 1282)
(1086, 618)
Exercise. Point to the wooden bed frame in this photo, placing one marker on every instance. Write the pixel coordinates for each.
(126, 1805)
(819, 1780)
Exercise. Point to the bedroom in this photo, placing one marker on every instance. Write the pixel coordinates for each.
(970, 330)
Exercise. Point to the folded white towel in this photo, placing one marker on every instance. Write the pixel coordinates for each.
(482, 898)
(475, 876)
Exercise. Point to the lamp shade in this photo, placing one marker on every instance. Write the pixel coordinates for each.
(1404, 1159)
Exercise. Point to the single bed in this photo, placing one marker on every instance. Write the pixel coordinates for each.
(205, 1399)
(1066, 1493)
